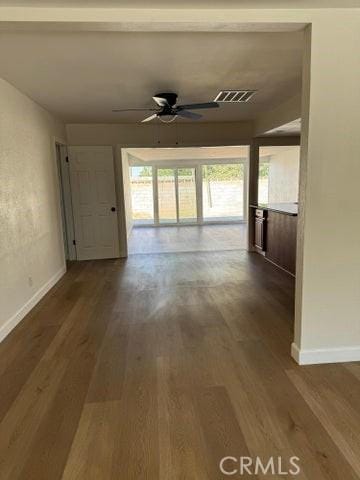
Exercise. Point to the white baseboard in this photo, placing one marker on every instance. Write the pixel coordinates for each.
(325, 355)
(11, 323)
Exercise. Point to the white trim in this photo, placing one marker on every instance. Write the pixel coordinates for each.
(64, 196)
(11, 323)
(66, 190)
(120, 200)
(186, 162)
(325, 355)
(59, 140)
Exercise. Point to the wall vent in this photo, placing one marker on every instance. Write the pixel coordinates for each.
(234, 96)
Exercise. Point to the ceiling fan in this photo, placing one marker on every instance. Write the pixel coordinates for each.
(167, 109)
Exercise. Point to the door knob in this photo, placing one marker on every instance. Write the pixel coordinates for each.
(113, 209)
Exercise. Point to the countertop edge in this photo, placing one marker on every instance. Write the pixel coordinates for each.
(271, 209)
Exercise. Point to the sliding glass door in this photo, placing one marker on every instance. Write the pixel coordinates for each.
(166, 195)
(224, 192)
(208, 192)
(176, 195)
(186, 182)
(142, 194)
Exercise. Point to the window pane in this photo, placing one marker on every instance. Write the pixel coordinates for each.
(187, 195)
(142, 194)
(166, 193)
(223, 192)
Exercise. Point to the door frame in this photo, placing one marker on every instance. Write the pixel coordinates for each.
(65, 197)
(120, 152)
(256, 144)
(199, 190)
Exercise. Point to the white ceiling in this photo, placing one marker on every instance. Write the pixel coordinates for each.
(291, 128)
(184, 3)
(82, 76)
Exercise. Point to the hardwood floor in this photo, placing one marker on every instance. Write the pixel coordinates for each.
(158, 366)
(193, 238)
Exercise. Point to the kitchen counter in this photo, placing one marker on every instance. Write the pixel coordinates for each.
(275, 226)
(285, 208)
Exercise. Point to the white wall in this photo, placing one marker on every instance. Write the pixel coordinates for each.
(31, 243)
(280, 115)
(159, 135)
(284, 174)
(328, 293)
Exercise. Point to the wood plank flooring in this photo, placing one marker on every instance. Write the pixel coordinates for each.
(158, 366)
(192, 238)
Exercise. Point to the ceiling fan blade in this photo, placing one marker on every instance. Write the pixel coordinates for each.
(198, 106)
(148, 119)
(134, 110)
(187, 114)
(162, 102)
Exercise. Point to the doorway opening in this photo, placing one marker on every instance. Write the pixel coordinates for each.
(202, 191)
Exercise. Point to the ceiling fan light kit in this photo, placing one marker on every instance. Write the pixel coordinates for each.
(166, 118)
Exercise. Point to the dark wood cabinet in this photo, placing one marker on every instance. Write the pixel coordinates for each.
(281, 240)
(260, 230)
(274, 234)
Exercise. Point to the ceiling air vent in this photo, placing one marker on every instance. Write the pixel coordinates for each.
(234, 96)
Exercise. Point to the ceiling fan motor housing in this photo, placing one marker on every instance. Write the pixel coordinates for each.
(171, 98)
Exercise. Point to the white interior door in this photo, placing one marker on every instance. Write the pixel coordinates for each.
(94, 202)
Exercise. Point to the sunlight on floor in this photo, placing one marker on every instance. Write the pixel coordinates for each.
(194, 238)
